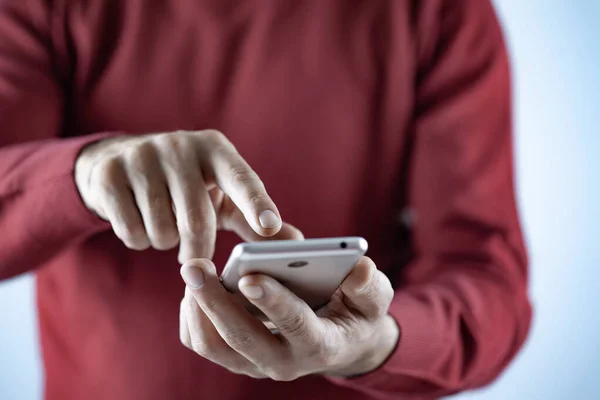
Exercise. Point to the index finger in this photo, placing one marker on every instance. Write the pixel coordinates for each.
(229, 170)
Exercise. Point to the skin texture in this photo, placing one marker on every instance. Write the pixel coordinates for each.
(169, 189)
(350, 336)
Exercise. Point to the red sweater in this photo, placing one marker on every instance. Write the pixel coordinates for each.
(386, 119)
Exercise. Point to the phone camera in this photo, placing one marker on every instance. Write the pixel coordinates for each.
(297, 264)
(343, 245)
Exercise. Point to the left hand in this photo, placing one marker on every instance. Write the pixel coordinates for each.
(352, 335)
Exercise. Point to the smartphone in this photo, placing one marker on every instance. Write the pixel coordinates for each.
(312, 269)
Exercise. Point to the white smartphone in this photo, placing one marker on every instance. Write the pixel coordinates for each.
(312, 269)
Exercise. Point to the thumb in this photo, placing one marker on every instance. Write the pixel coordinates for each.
(367, 290)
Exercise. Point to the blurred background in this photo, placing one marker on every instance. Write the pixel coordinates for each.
(555, 46)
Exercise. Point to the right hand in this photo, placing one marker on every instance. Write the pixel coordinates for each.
(161, 190)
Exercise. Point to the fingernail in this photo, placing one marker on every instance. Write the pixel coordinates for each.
(253, 292)
(192, 275)
(268, 219)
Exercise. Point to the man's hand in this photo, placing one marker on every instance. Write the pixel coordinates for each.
(162, 190)
(350, 336)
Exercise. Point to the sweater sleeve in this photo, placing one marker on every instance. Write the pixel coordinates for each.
(40, 209)
(462, 309)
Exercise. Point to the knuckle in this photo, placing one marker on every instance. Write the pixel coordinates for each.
(139, 153)
(282, 374)
(325, 353)
(185, 342)
(164, 239)
(214, 138)
(195, 221)
(201, 347)
(245, 370)
(184, 331)
(294, 324)
(240, 367)
(172, 147)
(183, 304)
(135, 245)
(108, 172)
(158, 203)
(133, 232)
(190, 307)
(164, 230)
(236, 370)
(133, 235)
(380, 292)
(387, 290)
(210, 304)
(242, 175)
(168, 140)
(373, 288)
(163, 233)
(239, 339)
(254, 374)
(189, 303)
(212, 134)
(164, 226)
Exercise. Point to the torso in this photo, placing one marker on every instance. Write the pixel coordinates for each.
(318, 98)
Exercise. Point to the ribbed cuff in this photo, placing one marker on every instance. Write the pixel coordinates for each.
(59, 205)
(418, 347)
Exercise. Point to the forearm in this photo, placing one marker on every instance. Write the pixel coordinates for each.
(40, 209)
(41, 212)
(457, 331)
(462, 304)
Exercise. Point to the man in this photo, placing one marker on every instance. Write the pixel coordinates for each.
(385, 119)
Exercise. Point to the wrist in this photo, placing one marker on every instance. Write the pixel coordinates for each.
(383, 344)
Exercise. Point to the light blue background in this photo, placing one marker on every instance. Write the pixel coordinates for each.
(556, 54)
